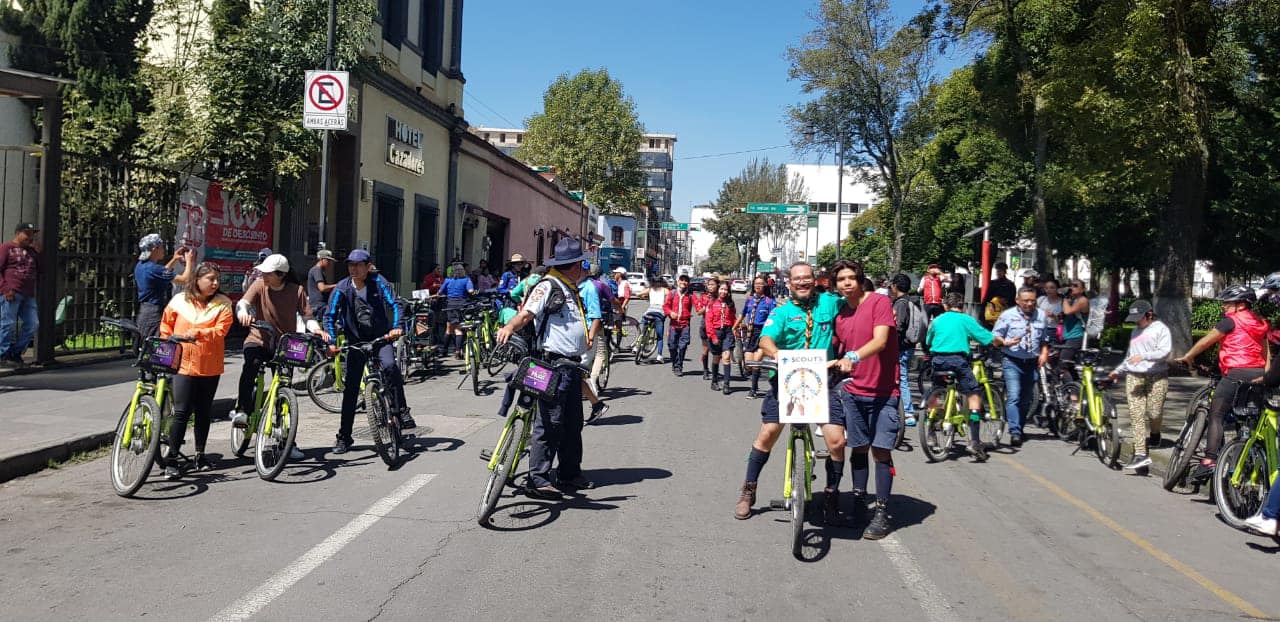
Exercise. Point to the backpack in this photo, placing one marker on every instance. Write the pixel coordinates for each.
(917, 323)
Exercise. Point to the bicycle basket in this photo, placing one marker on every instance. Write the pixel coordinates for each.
(537, 377)
(422, 326)
(1273, 399)
(295, 350)
(161, 356)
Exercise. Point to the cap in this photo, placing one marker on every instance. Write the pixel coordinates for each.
(26, 226)
(358, 255)
(1138, 309)
(324, 254)
(619, 270)
(273, 263)
(263, 252)
(149, 242)
(934, 266)
(516, 258)
(1027, 272)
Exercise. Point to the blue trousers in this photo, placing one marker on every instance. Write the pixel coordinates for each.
(557, 433)
(678, 342)
(658, 319)
(904, 380)
(20, 311)
(1020, 377)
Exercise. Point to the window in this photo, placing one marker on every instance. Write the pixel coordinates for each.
(502, 138)
(486, 136)
(395, 17)
(519, 138)
(652, 143)
(431, 33)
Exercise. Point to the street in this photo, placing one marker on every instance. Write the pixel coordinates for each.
(1037, 534)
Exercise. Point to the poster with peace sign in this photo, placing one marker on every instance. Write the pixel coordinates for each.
(802, 386)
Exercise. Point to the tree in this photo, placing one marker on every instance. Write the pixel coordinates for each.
(872, 79)
(588, 131)
(759, 182)
(722, 258)
(97, 44)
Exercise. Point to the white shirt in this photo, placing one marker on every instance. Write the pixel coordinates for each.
(1153, 344)
(566, 332)
(1055, 308)
(657, 297)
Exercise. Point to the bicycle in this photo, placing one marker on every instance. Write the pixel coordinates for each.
(1189, 446)
(326, 380)
(646, 344)
(275, 415)
(1047, 408)
(797, 481)
(414, 348)
(1091, 410)
(1247, 466)
(945, 415)
(534, 379)
(621, 338)
(384, 418)
(145, 422)
(474, 352)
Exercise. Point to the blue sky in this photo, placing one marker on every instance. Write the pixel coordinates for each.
(713, 72)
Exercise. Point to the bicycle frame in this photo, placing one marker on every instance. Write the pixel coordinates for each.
(520, 412)
(1093, 398)
(1266, 433)
(801, 431)
(158, 388)
(980, 372)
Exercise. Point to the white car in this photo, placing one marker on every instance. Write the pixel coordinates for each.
(637, 281)
(738, 286)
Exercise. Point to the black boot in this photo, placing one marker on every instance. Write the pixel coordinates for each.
(715, 378)
(725, 385)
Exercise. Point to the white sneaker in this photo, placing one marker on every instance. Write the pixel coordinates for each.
(296, 454)
(659, 359)
(817, 429)
(240, 420)
(1260, 524)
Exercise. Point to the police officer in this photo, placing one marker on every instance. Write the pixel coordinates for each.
(560, 329)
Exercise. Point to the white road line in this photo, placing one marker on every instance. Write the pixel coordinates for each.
(922, 589)
(261, 596)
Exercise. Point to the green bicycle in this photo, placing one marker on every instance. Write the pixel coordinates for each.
(647, 342)
(797, 479)
(945, 415)
(145, 421)
(326, 380)
(473, 348)
(534, 379)
(275, 415)
(1247, 466)
(1091, 411)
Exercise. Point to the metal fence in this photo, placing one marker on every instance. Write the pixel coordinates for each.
(107, 205)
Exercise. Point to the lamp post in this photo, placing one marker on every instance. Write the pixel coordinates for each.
(810, 133)
(324, 145)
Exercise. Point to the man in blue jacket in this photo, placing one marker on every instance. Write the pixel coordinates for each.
(359, 308)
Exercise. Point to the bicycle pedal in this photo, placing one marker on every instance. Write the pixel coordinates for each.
(486, 454)
(777, 504)
(821, 454)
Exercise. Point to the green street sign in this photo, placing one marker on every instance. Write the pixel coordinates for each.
(675, 226)
(813, 222)
(777, 208)
(764, 266)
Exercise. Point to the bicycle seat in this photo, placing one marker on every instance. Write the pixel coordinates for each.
(945, 377)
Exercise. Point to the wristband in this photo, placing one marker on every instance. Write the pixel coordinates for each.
(853, 356)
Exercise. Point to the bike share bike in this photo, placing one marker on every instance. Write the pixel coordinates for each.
(646, 344)
(384, 416)
(1190, 445)
(144, 424)
(1088, 409)
(479, 322)
(534, 379)
(1247, 466)
(944, 414)
(414, 350)
(326, 380)
(797, 479)
(274, 418)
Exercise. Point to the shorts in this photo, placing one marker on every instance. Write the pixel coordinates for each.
(959, 364)
(870, 420)
(752, 341)
(769, 406)
(726, 341)
(454, 310)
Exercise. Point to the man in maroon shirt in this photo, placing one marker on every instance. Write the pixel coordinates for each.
(19, 266)
(866, 340)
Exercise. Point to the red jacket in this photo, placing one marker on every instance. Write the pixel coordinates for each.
(931, 289)
(719, 315)
(1244, 347)
(678, 307)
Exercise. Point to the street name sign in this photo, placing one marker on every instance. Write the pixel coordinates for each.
(777, 208)
(675, 226)
(324, 100)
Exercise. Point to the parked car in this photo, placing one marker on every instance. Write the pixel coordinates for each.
(738, 286)
(637, 280)
(697, 285)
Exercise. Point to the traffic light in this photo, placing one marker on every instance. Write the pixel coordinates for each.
(740, 210)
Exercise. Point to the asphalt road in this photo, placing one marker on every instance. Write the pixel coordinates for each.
(1034, 535)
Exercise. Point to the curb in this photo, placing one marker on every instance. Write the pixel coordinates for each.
(1159, 459)
(56, 365)
(18, 465)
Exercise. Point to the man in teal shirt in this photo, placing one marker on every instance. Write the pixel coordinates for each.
(804, 323)
(948, 343)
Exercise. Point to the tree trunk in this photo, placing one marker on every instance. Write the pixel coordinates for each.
(1144, 283)
(895, 253)
(1040, 214)
(1113, 299)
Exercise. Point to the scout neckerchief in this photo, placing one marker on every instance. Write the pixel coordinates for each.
(807, 306)
(573, 291)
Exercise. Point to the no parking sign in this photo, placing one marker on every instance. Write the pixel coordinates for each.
(324, 100)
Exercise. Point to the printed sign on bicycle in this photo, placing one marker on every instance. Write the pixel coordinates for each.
(802, 386)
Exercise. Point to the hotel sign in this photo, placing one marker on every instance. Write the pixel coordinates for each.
(404, 147)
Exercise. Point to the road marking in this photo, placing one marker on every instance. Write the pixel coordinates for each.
(1140, 542)
(261, 596)
(918, 584)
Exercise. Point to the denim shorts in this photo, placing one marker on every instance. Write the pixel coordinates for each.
(959, 364)
(870, 420)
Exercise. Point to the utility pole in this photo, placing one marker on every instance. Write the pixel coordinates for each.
(324, 148)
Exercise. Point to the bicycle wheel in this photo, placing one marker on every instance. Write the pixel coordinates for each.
(503, 466)
(649, 346)
(272, 451)
(498, 359)
(994, 425)
(1185, 447)
(1070, 405)
(474, 361)
(131, 463)
(1237, 502)
(902, 426)
(378, 411)
(322, 387)
(1107, 445)
(936, 432)
(625, 337)
(799, 494)
(602, 380)
(241, 438)
(402, 355)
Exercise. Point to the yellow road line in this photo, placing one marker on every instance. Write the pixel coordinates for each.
(1142, 543)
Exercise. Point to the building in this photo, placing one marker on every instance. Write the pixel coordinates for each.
(19, 166)
(700, 241)
(653, 250)
(822, 184)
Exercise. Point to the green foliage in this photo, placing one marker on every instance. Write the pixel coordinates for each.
(1205, 313)
(588, 131)
(722, 258)
(97, 44)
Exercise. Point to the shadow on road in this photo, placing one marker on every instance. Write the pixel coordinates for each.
(528, 514)
(618, 420)
(904, 512)
(617, 393)
(627, 475)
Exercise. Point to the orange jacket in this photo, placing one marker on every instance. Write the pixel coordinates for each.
(208, 324)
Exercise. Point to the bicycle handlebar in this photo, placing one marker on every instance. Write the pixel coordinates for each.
(129, 326)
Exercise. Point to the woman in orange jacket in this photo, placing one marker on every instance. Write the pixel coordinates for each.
(202, 314)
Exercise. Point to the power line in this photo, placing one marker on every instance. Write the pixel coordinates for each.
(729, 153)
(509, 122)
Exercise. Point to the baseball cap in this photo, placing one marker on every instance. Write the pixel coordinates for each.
(273, 263)
(26, 226)
(1138, 309)
(262, 253)
(358, 255)
(934, 266)
(324, 254)
(149, 242)
(619, 270)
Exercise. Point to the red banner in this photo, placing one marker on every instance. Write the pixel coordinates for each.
(224, 230)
